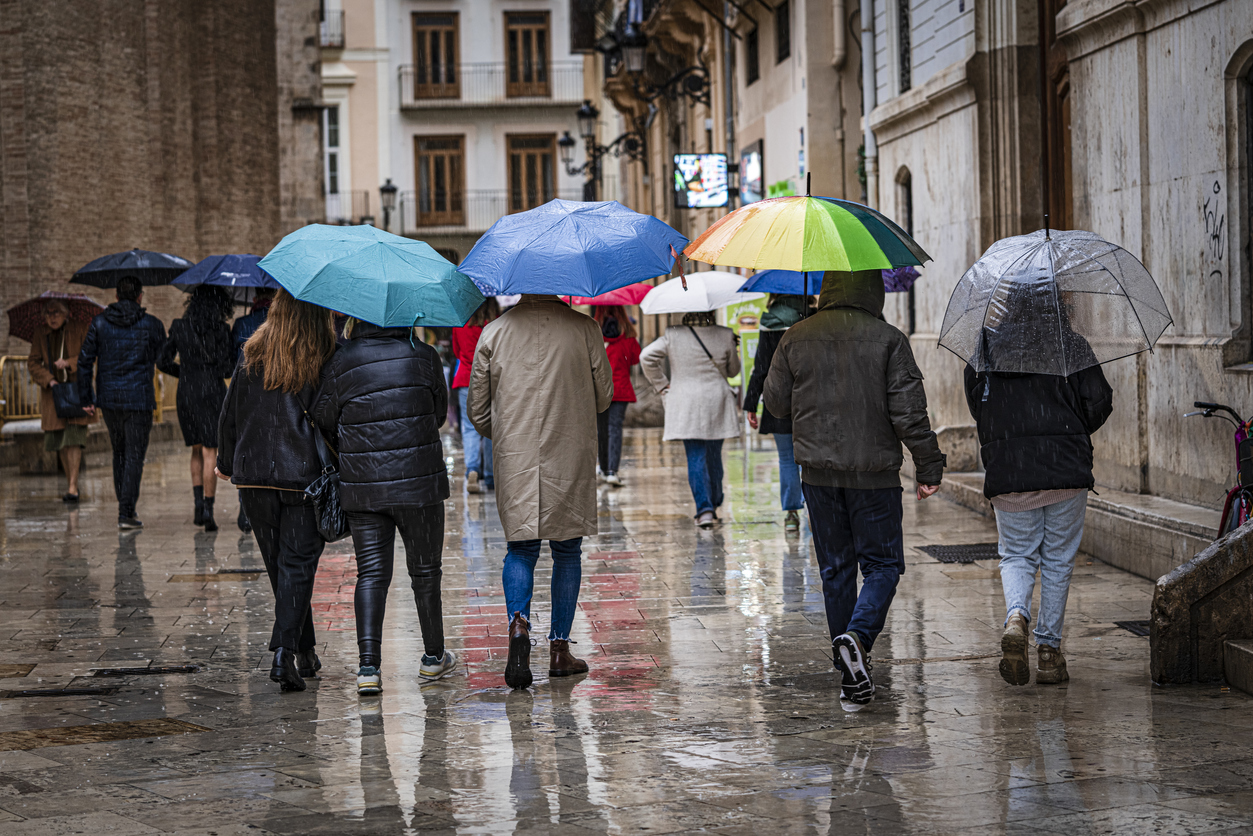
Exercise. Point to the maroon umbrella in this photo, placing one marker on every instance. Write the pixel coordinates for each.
(25, 317)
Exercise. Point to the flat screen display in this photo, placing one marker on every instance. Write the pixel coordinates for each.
(700, 180)
(752, 183)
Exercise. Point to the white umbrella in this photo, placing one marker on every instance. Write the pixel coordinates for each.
(706, 291)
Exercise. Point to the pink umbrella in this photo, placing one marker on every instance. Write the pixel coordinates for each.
(25, 317)
(632, 294)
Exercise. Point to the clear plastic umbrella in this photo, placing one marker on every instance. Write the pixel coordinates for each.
(705, 291)
(1053, 303)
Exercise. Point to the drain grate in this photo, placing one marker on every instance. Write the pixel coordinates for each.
(146, 671)
(57, 692)
(964, 553)
(1135, 628)
(27, 739)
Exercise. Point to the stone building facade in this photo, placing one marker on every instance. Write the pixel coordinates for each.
(153, 125)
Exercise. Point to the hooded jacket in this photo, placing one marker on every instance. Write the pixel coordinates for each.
(385, 397)
(849, 383)
(126, 340)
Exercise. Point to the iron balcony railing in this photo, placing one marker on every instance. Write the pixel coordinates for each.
(465, 213)
(483, 85)
(331, 34)
(348, 208)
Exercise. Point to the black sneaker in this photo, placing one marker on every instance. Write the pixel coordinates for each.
(857, 687)
(128, 523)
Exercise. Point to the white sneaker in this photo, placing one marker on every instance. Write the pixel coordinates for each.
(600, 474)
(614, 479)
(369, 682)
(472, 482)
(432, 671)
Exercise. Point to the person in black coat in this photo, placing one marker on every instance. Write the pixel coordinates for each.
(200, 354)
(268, 449)
(244, 328)
(385, 398)
(125, 339)
(1035, 439)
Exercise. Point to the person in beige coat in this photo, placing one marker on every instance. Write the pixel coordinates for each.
(539, 378)
(700, 404)
(53, 361)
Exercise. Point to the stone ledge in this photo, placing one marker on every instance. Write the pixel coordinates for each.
(1238, 664)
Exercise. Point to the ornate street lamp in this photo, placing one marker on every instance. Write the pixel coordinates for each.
(587, 116)
(634, 50)
(387, 199)
(565, 147)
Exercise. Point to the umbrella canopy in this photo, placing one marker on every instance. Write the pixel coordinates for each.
(796, 283)
(149, 267)
(239, 274)
(1053, 303)
(806, 233)
(705, 291)
(571, 248)
(632, 294)
(26, 316)
(372, 275)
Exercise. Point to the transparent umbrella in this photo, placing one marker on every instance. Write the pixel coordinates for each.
(1053, 303)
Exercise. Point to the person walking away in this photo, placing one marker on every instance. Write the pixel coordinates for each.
(1035, 436)
(244, 327)
(848, 381)
(125, 340)
(700, 404)
(383, 394)
(477, 449)
(200, 354)
(53, 361)
(268, 450)
(623, 350)
(539, 379)
(782, 312)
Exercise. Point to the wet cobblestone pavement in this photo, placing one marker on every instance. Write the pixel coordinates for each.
(711, 703)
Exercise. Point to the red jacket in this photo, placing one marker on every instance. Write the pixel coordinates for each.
(624, 352)
(464, 341)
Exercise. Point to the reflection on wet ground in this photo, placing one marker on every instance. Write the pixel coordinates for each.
(711, 703)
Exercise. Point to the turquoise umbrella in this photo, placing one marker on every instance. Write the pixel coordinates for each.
(373, 275)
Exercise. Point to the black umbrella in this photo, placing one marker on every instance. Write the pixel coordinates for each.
(149, 267)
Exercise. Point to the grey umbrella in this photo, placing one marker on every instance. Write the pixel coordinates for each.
(1053, 303)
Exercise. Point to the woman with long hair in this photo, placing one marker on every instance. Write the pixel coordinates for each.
(478, 450)
(268, 450)
(623, 350)
(199, 352)
(383, 394)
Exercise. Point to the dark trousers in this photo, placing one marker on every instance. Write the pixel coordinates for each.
(374, 537)
(855, 528)
(609, 436)
(286, 529)
(128, 433)
(704, 472)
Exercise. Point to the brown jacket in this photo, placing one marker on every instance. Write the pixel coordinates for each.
(44, 371)
(540, 375)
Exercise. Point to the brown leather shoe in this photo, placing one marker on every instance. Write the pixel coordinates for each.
(561, 660)
(1050, 666)
(518, 668)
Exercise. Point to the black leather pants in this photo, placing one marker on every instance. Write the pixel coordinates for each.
(374, 536)
(286, 529)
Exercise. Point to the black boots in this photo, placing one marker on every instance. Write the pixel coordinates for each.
(210, 524)
(518, 668)
(198, 492)
(284, 671)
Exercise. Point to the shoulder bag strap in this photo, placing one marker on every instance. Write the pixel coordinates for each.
(325, 454)
(714, 362)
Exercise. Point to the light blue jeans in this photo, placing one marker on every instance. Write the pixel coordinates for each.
(478, 449)
(1044, 539)
(789, 474)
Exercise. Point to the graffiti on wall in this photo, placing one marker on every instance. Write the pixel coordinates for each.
(1214, 214)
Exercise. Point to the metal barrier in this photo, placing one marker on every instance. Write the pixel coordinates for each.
(19, 395)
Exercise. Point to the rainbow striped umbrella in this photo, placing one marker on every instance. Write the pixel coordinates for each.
(806, 233)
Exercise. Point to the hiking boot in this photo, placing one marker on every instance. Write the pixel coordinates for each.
(472, 482)
(369, 681)
(792, 522)
(437, 667)
(561, 661)
(1014, 666)
(706, 519)
(857, 687)
(518, 668)
(1050, 667)
(284, 672)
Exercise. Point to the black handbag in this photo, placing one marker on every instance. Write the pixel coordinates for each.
(324, 492)
(65, 394)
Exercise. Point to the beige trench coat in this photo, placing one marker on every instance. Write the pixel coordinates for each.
(699, 401)
(539, 377)
(43, 371)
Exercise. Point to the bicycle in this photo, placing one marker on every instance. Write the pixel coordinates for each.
(1238, 508)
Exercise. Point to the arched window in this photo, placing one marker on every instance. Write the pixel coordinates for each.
(905, 217)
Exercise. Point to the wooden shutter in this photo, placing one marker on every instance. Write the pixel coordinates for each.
(527, 48)
(436, 73)
(532, 170)
(440, 180)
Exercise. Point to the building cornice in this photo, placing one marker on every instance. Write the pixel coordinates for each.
(337, 74)
(1091, 25)
(946, 91)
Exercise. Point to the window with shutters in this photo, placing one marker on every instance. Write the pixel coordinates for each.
(527, 40)
(436, 74)
(532, 170)
(441, 180)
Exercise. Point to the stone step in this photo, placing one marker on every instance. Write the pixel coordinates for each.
(1238, 664)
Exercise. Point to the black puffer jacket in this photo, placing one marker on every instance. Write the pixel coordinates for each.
(126, 340)
(264, 438)
(386, 399)
(1035, 428)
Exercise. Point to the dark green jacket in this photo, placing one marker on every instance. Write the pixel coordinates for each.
(848, 381)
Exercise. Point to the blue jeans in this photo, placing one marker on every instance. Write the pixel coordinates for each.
(478, 450)
(519, 581)
(704, 472)
(1045, 539)
(789, 474)
(853, 528)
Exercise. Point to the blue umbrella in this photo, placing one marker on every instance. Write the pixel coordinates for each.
(793, 282)
(149, 267)
(372, 275)
(239, 274)
(572, 249)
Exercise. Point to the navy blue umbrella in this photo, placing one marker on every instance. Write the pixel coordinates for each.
(239, 274)
(149, 267)
(572, 248)
(793, 282)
